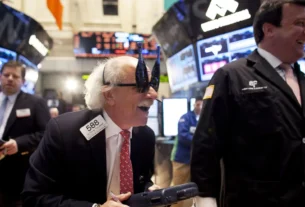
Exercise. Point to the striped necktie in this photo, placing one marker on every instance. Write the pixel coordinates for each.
(3, 108)
(126, 173)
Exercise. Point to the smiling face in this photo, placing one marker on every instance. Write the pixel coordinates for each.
(287, 40)
(125, 105)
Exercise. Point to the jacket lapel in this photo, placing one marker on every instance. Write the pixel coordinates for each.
(98, 149)
(301, 78)
(266, 70)
(12, 117)
(133, 147)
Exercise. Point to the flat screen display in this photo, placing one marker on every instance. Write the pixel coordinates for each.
(24, 35)
(6, 55)
(192, 102)
(302, 65)
(153, 110)
(111, 44)
(170, 33)
(173, 109)
(181, 69)
(217, 51)
(31, 75)
(153, 123)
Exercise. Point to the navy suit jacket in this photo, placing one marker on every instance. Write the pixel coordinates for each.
(27, 131)
(68, 170)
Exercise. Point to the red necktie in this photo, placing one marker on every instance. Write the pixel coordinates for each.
(126, 174)
(292, 81)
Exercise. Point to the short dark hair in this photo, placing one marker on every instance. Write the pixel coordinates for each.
(14, 64)
(270, 12)
(198, 98)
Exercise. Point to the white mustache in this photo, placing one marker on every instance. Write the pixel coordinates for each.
(146, 103)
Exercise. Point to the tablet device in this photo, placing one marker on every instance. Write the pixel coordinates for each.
(163, 197)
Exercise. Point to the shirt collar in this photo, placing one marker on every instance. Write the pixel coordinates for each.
(112, 128)
(271, 59)
(11, 98)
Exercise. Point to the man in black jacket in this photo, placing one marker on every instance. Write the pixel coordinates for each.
(254, 119)
(23, 118)
(83, 159)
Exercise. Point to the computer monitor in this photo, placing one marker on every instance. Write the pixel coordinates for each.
(192, 102)
(153, 123)
(153, 111)
(31, 75)
(181, 69)
(173, 109)
(215, 52)
(302, 65)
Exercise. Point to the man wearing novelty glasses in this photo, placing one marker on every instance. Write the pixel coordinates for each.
(101, 155)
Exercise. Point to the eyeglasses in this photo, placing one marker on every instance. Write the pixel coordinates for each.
(141, 90)
(141, 75)
(122, 84)
(128, 85)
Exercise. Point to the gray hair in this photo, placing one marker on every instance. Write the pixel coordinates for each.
(114, 73)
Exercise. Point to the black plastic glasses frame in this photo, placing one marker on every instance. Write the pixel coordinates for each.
(125, 84)
(141, 75)
(122, 84)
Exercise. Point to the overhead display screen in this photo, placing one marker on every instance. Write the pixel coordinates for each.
(215, 52)
(181, 69)
(170, 32)
(111, 44)
(23, 35)
(6, 55)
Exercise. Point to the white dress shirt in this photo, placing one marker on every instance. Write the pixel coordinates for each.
(271, 59)
(114, 142)
(275, 63)
(10, 104)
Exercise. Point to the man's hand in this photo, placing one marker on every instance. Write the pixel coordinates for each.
(117, 200)
(9, 148)
(2, 153)
(154, 187)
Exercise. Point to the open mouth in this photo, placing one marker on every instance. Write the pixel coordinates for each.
(144, 108)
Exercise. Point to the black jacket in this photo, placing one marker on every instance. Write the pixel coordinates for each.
(255, 123)
(27, 131)
(67, 170)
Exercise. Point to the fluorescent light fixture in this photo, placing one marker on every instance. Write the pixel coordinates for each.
(38, 45)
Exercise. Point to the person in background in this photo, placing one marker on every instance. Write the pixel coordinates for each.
(76, 107)
(62, 104)
(54, 112)
(23, 118)
(254, 117)
(101, 155)
(181, 153)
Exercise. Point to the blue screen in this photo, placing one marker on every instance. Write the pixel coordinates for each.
(215, 52)
(6, 55)
(181, 69)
